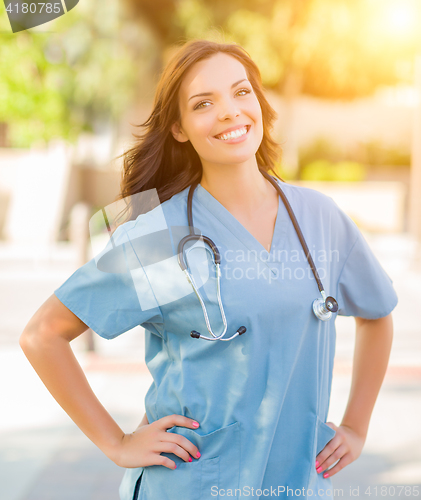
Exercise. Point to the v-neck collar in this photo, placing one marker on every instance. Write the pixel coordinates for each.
(239, 231)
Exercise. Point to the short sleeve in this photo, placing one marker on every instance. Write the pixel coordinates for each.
(111, 303)
(364, 288)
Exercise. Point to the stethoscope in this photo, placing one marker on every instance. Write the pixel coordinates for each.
(322, 307)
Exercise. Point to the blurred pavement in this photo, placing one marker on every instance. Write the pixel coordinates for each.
(44, 456)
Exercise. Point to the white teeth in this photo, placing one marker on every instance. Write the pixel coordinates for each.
(234, 134)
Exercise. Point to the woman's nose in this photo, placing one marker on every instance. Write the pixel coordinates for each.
(228, 109)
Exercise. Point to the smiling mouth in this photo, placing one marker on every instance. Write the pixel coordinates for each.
(234, 134)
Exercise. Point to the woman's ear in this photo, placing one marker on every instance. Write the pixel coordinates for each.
(178, 133)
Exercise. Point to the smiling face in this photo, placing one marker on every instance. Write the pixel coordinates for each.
(230, 104)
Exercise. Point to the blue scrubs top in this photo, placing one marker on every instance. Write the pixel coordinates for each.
(261, 399)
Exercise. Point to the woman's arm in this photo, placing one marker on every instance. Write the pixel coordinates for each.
(373, 342)
(46, 343)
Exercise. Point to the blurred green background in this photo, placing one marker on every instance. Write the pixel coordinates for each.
(340, 74)
(102, 56)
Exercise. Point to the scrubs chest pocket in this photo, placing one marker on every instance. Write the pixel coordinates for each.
(217, 468)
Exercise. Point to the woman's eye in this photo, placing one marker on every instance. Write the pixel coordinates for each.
(198, 106)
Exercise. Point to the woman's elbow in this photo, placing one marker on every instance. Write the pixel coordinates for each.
(53, 322)
(35, 335)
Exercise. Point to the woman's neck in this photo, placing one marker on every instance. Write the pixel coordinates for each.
(239, 187)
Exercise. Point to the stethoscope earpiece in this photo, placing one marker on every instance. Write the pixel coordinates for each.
(196, 335)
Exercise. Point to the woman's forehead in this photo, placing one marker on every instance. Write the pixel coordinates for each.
(210, 75)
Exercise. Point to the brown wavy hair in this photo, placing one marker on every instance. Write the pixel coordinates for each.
(158, 160)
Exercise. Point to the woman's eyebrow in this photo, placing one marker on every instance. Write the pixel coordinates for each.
(210, 93)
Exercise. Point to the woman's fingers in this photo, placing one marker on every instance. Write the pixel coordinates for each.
(344, 448)
(327, 452)
(334, 457)
(169, 421)
(161, 460)
(183, 444)
(142, 447)
(170, 447)
(344, 460)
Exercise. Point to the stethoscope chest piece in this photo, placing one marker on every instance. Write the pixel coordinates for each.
(323, 308)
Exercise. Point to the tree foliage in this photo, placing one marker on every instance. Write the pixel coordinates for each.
(98, 57)
(57, 84)
(328, 48)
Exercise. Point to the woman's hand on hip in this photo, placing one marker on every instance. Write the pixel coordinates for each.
(346, 446)
(142, 447)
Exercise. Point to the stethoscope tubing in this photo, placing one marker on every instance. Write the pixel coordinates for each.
(296, 227)
(322, 308)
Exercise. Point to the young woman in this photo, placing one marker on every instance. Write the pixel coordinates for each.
(260, 399)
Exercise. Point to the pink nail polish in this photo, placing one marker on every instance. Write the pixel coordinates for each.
(198, 455)
(190, 459)
(317, 464)
(175, 466)
(326, 475)
(195, 424)
(319, 470)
